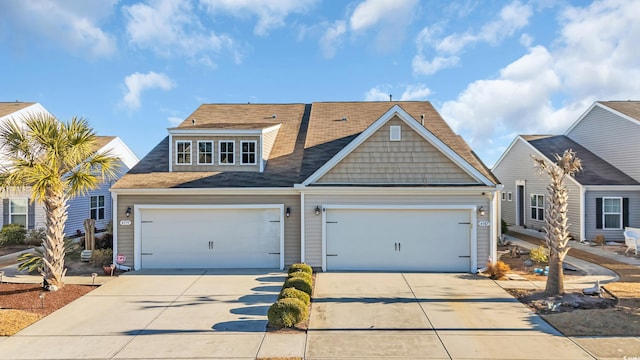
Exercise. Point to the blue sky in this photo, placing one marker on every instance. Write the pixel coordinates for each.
(493, 69)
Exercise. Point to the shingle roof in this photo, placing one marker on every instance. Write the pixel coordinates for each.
(595, 171)
(7, 108)
(101, 141)
(629, 108)
(309, 136)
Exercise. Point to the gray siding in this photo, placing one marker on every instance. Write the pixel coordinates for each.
(518, 165)
(79, 210)
(612, 138)
(313, 223)
(291, 226)
(590, 213)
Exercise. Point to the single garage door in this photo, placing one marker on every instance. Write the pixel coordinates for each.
(398, 239)
(210, 238)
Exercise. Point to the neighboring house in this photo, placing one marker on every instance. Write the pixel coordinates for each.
(340, 186)
(604, 198)
(17, 206)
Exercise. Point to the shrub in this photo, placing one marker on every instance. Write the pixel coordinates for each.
(300, 274)
(497, 270)
(32, 261)
(294, 293)
(35, 237)
(102, 257)
(287, 312)
(539, 255)
(504, 227)
(12, 234)
(300, 267)
(298, 283)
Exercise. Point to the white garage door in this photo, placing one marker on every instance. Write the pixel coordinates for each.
(398, 239)
(210, 238)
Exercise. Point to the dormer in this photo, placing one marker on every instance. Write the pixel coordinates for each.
(221, 147)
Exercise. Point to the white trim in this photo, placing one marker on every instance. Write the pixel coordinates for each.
(412, 123)
(604, 223)
(473, 264)
(255, 152)
(261, 160)
(137, 236)
(494, 223)
(604, 107)
(20, 115)
(612, 187)
(207, 191)
(537, 207)
(302, 232)
(120, 149)
(190, 152)
(186, 131)
(583, 211)
(97, 208)
(395, 190)
(212, 152)
(170, 153)
(26, 211)
(114, 223)
(220, 142)
(395, 133)
(519, 206)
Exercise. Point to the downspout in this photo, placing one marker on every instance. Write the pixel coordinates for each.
(583, 207)
(302, 211)
(114, 224)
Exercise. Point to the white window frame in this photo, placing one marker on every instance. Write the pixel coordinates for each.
(536, 206)
(98, 207)
(178, 153)
(509, 196)
(220, 152)
(605, 213)
(26, 211)
(395, 133)
(212, 152)
(255, 152)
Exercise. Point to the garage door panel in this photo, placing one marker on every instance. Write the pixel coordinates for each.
(398, 239)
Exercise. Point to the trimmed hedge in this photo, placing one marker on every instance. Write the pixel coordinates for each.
(287, 312)
(300, 274)
(298, 283)
(293, 293)
(300, 267)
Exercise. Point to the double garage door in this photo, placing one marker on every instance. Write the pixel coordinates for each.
(398, 239)
(210, 238)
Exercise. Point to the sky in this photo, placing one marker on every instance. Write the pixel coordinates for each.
(492, 69)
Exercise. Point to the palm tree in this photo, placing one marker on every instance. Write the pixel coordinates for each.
(556, 220)
(58, 161)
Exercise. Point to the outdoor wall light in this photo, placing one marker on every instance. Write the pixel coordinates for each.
(128, 212)
(288, 212)
(481, 211)
(317, 210)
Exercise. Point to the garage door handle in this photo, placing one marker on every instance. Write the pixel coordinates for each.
(332, 254)
(464, 256)
(146, 253)
(464, 223)
(274, 253)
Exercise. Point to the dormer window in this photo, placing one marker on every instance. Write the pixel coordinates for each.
(248, 152)
(226, 152)
(205, 152)
(183, 152)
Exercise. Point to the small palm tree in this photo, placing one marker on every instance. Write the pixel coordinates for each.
(556, 220)
(58, 161)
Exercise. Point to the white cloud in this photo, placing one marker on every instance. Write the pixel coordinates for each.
(423, 66)
(137, 82)
(174, 121)
(415, 92)
(332, 38)
(172, 28)
(271, 14)
(410, 93)
(389, 18)
(73, 25)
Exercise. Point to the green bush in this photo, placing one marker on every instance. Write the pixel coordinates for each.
(287, 312)
(293, 293)
(35, 237)
(539, 255)
(101, 257)
(12, 234)
(298, 283)
(300, 267)
(300, 274)
(32, 261)
(504, 227)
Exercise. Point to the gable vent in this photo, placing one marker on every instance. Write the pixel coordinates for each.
(395, 133)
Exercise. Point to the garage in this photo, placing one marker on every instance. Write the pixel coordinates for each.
(399, 239)
(210, 237)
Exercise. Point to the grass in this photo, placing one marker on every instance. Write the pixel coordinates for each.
(12, 321)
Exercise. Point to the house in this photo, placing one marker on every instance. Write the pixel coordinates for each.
(96, 204)
(604, 198)
(337, 185)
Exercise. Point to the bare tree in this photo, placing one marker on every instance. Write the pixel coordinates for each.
(556, 220)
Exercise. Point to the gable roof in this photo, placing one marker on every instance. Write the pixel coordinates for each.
(8, 108)
(629, 108)
(309, 136)
(595, 170)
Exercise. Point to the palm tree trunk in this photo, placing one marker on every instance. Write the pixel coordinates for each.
(555, 279)
(56, 208)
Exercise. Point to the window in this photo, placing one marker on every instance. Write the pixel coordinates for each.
(395, 133)
(537, 207)
(97, 207)
(612, 213)
(183, 152)
(248, 152)
(18, 211)
(504, 196)
(205, 152)
(509, 196)
(226, 152)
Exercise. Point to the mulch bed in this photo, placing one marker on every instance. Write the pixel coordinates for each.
(10, 249)
(26, 297)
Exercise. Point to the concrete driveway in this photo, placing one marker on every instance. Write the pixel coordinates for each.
(426, 316)
(177, 314)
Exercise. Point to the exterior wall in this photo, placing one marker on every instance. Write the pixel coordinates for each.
(79, 210)
(39, 213)
(125, 234)
(412, 160)
(518, 165)
(590, 214)
(611, 137)
(216, 165)
(313, 222)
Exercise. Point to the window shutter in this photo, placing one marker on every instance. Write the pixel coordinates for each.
(31, 214)
(598, 213)
(5, 211)
(625, 212)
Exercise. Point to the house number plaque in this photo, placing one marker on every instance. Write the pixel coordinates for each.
(483, 223)
(125, 222)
